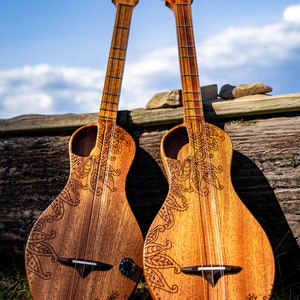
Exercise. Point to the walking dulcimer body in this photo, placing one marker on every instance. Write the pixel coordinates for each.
(203, 243)
(80, 247)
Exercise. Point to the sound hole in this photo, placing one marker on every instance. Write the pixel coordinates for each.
(84, 140)
(175, 141)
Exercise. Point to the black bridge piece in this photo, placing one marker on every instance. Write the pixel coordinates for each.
(84, 266)
(212, 273)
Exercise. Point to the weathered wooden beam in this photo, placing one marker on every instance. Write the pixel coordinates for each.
(256, 105)
(222, 109)
(265, 173)
(214, 109)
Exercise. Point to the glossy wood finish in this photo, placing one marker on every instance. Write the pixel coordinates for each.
(76, 247)
(202, 223)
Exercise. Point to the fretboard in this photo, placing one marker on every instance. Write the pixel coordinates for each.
(191, 91)
(116, 62)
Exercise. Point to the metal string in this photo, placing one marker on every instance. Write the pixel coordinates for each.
(105, 153)
(204, 134)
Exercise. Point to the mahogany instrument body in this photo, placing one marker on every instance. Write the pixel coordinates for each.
(203, 243)
(87, 244)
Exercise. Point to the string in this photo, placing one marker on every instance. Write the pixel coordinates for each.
(109, 107)
(199, 113)
(112, 107)
(109, 129)
(182, 47)
(211, 191)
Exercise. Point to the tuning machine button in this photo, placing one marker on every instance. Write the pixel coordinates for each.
(127, 267)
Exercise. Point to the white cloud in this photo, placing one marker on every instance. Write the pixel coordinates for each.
(292, 14)
(256, 45)
(146, 76)
(155, 62)
(48, 90)
(223, 57)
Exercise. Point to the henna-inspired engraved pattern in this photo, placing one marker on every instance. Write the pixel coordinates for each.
(254, 297)
(113, 296)
(91, 174)
(156, 259)
(194, 174)
(36, 247)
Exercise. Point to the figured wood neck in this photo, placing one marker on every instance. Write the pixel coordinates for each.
(191, 91)
(116, 62)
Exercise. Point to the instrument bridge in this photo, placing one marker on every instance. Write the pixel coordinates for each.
(212, 273)
(83, 266)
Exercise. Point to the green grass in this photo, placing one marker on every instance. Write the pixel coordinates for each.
(13, 286)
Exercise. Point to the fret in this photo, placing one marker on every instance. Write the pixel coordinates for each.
(116, 62)
(194, 115)
(188, 74)
(110, 94)
(191, 100)
(108, 117)
(188, 56)
(111, 103)
(117, 58)
(127, 5)
(191, 117)
(184, 26)
(186, 46)
(108, 110)
(183, 4)
(122, 27)
(193, 108)
(114, 76)
(186, 50)
(118, 48)
(190, 92)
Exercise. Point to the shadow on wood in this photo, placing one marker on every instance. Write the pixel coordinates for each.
(256, 193)
(34, 168)
(147, 188)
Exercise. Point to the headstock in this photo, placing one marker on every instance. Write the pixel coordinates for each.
(128, 2)
(171, 3)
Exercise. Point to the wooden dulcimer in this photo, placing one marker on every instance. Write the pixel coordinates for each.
(203, 243)
(87, 244)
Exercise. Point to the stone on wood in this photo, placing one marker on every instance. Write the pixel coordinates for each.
(228, 91)
(250, 89)
(173, 98)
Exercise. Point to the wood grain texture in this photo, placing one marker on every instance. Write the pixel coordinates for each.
(205, 223)
(204, 243)
(89, 220)
(80, 247)
(255, 105)
(34, 169)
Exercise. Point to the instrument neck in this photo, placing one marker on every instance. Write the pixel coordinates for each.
(191, 90)
(116, 63)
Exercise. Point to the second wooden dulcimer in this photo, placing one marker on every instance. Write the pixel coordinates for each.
(87, 244)
(203, 243)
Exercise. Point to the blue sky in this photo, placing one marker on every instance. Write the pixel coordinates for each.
(53, 54)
